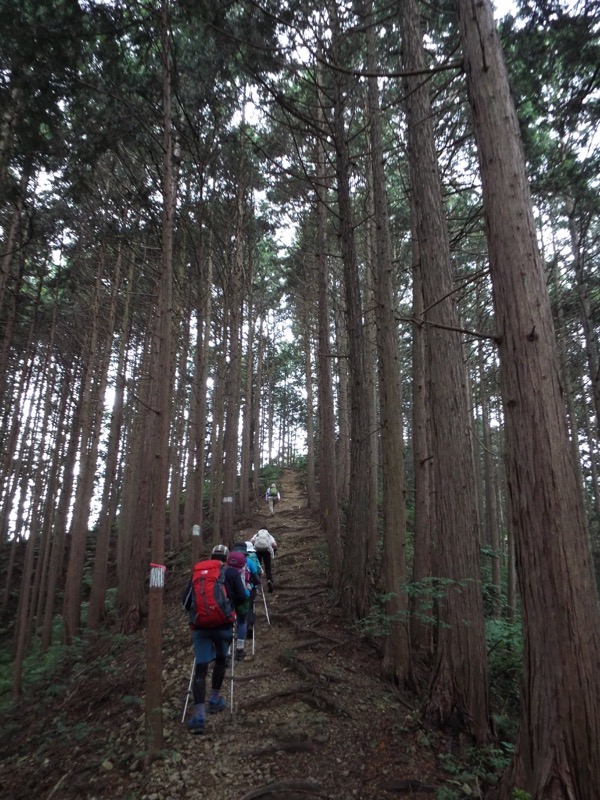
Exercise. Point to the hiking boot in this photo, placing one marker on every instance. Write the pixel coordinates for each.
(270, 586)
(240, 655)
(196, 725)
(216, 704)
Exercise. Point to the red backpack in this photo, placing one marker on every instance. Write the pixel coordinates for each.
(206, 599)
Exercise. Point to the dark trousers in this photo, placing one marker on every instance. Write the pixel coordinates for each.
(264, 556)
(199, 685)
(210, 644)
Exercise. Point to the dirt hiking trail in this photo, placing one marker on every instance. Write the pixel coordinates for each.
(311, 719)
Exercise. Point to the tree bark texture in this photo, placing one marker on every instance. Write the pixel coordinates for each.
(490, 479)
(234, 306)
(310, 408)
(134, 519)
(159, 415)
(95, 360)
(328, 495)
(343, 401)
(217, 446)
(68, 453)
(458, 694)
(198, 433)
(396, 659)
(356, 569)
(246, 456)
(110, 494)
(557, 755)
(421, 626)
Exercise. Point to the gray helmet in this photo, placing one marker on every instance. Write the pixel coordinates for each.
(221, 552)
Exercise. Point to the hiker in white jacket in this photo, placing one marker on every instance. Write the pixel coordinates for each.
(266, 547)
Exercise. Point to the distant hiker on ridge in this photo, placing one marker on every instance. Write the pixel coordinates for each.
(272, 497)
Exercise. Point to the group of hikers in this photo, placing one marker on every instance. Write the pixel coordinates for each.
(219, 598)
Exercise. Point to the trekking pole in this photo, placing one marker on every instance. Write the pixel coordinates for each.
(265, 602)
(233, 646)
(187, 697)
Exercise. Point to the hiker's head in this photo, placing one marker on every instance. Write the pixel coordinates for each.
(250, 547)
(273, 486)
(240, 547)
(236, 559)
(220, 552)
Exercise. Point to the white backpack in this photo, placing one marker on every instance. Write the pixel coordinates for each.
(263, 540)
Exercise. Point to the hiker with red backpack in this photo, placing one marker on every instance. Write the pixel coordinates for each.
(213, 593)
(266, 547)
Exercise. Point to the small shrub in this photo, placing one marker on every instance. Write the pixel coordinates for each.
(378, 622)
(481, 767)
(505, 662)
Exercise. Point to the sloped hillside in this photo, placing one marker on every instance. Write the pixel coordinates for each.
(310, 716)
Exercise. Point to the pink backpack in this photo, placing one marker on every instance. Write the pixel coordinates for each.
(237, 560)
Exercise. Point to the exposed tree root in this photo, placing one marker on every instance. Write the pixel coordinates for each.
(318, 588)
(322, 636)
(321, 700)
(307, 692)
(271, 790)
(304, 600)
(306, 644)
(306, 670)
(265, 699)
(408, 786)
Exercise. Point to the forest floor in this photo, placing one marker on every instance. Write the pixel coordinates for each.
(311, 717)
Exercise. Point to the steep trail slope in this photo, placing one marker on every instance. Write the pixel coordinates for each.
(311, 717)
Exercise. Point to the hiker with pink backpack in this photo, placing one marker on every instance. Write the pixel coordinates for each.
(238, 560)
(252, 574)
(214, 592)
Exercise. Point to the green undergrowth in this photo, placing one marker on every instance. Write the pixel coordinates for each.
(270, 474)
(476, 770)
(472, 771)
(49, 673)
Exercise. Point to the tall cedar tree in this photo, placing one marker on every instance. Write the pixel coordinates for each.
(396, 660)
(328, 497)
(158, 415)
(557, 755)
(458, 695)
(355, 569)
